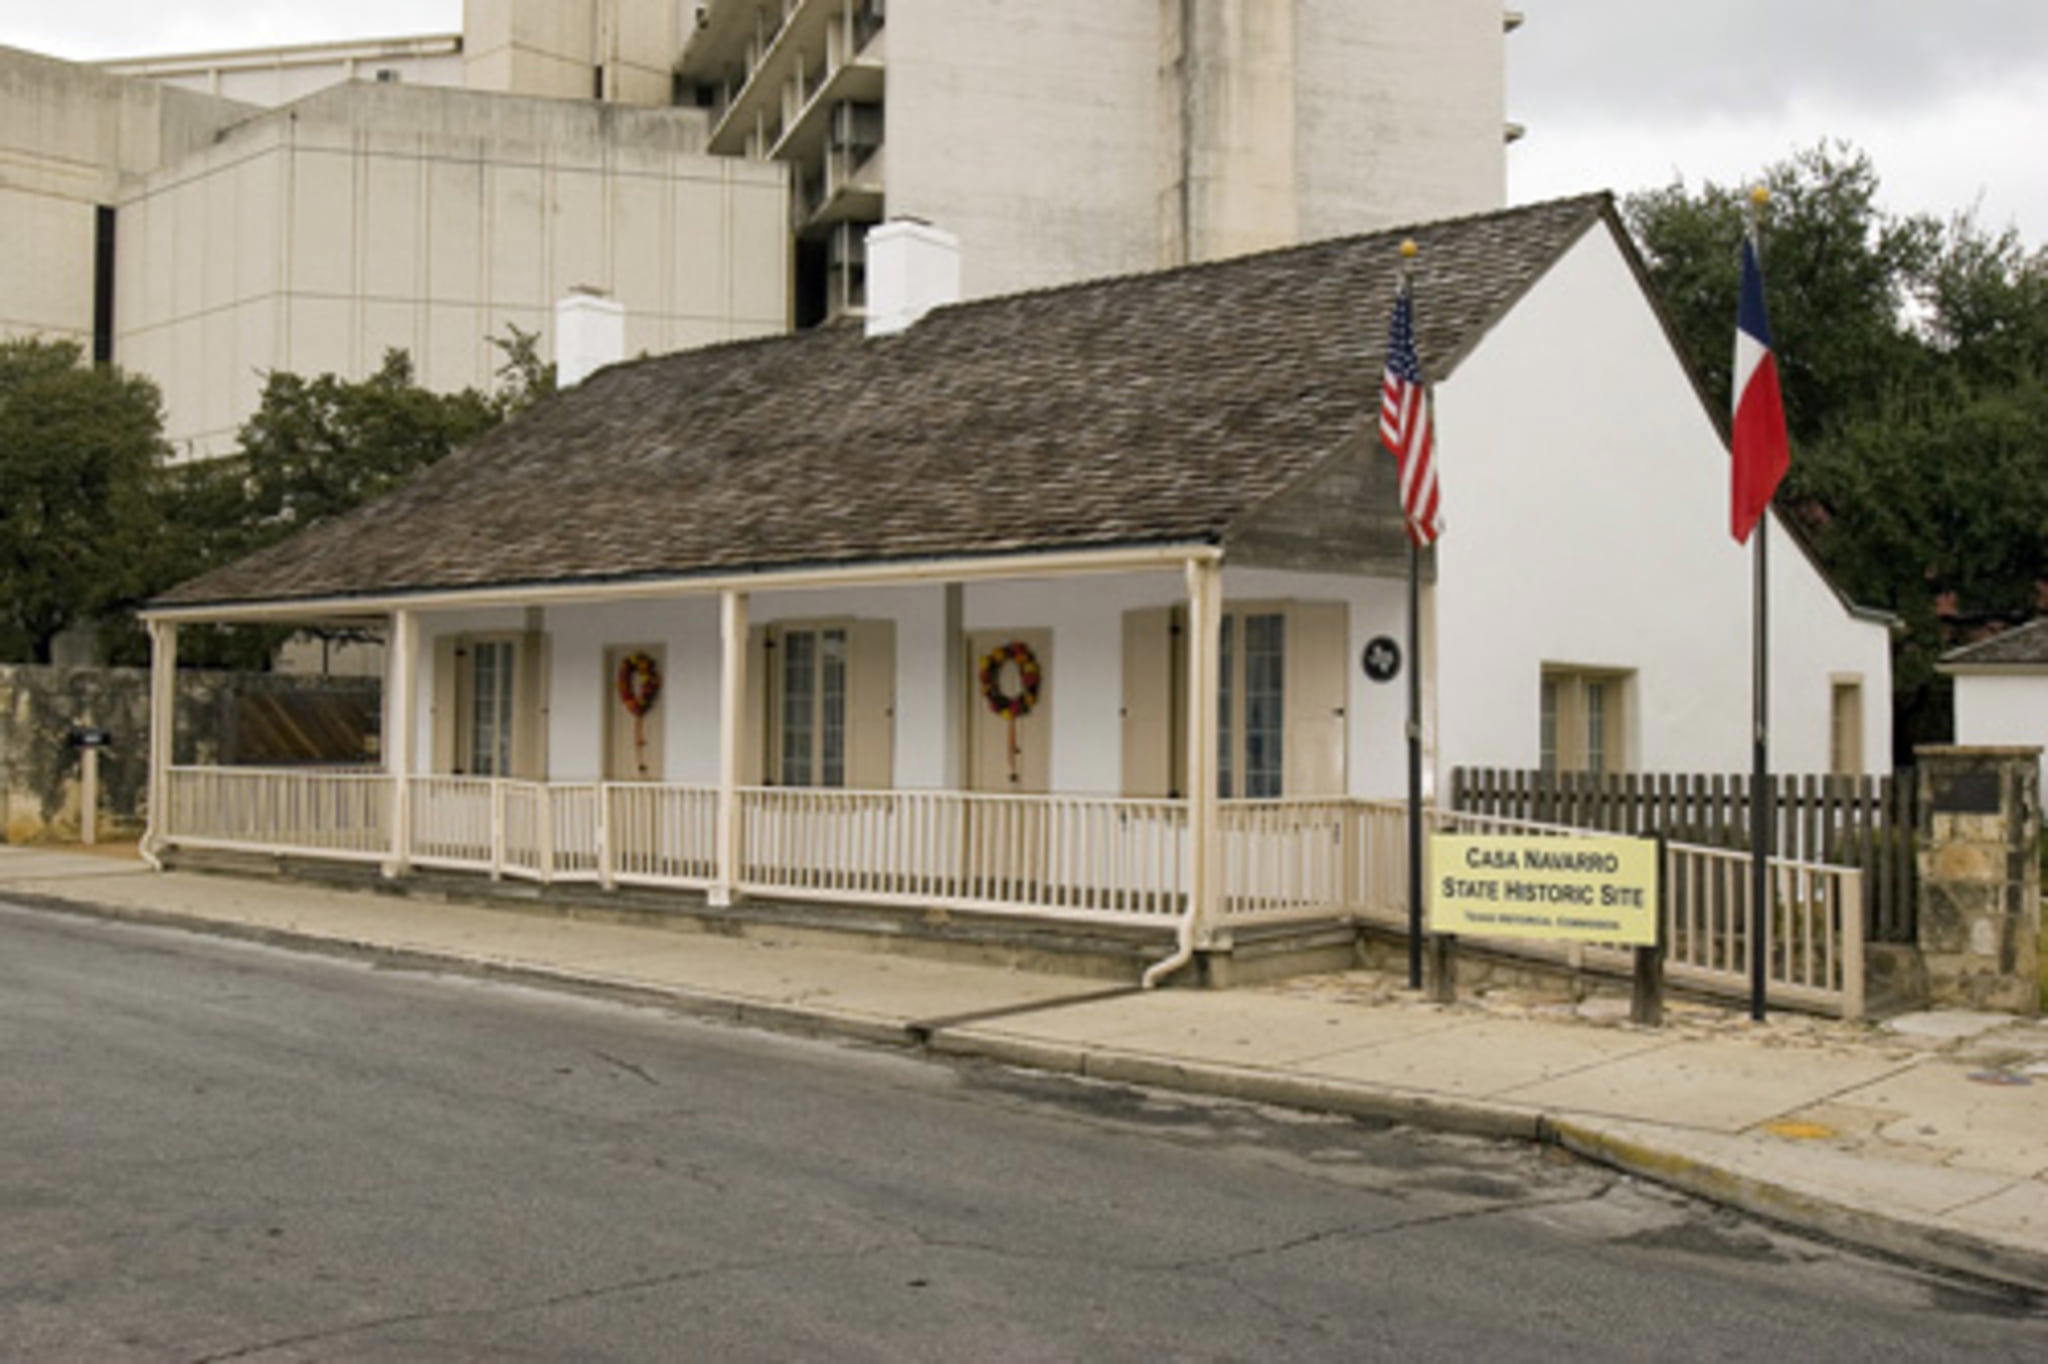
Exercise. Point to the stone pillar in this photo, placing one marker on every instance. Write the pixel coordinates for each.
(1980, 876)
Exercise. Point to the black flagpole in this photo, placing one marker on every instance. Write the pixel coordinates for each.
(1414, 763)
(1761, 804)
(1408, 251)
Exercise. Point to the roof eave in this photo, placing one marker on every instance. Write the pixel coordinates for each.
(1108, 557)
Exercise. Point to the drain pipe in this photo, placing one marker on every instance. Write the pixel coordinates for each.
(1182, 955)
(1205, 625)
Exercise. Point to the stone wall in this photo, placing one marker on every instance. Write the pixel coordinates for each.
(1980, 877)
(39, 706)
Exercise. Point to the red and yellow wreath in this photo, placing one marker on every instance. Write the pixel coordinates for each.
(639, 683)
(1029, 677)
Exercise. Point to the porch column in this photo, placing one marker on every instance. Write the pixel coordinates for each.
(163, 714)
(401, 698)
(953, 694)
(732, 694)
(1205, 628)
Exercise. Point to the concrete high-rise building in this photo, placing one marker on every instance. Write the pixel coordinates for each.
(713, 164)
(1062, 139)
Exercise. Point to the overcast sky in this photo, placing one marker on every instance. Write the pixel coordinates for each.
(1950, 97)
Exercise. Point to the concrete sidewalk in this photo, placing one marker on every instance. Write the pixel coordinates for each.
(1926, 1137)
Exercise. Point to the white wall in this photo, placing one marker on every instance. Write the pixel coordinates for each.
(1400, 112)
(1084, 677)
(580, 688)
(1030, 132)
(314, 238)
(1586, 507)
(2007, 708)
(68, 133)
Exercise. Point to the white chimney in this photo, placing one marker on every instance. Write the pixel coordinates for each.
(590, 333)
(913, 268)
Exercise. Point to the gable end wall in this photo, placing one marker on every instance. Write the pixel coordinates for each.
(1586, 502)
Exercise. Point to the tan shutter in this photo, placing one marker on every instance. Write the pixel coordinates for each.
(871, 704)
(1148, 702)
(754, 712)
(530, 708)
(1318, 679)
(445, 722)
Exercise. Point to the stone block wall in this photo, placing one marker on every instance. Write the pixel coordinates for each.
(39, 770)
(1980, 877)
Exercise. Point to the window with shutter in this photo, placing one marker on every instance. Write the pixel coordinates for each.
(830, 701)
(490, 705)
(1280, 700)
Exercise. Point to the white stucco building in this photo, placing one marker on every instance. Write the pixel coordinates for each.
(2001, 690)
(1152, 509)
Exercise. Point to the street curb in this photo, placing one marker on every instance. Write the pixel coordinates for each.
(1890, 1236)
(1894, 1237)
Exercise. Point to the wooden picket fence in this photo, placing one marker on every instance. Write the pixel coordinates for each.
(1865, 822)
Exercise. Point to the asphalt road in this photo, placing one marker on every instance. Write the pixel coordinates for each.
(214, 1151)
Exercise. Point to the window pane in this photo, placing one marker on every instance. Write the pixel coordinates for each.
(1225, 690)
(799, 671)
(1265, 699)
(490, 724)
(832, 760)
(1596, 726)
(1547, 743)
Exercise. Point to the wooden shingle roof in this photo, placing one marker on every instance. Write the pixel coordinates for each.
(1146, 409)
(2024, 645)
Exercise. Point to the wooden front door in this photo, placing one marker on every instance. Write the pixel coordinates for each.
(993, 765)
(1007, 842)
(633, 746)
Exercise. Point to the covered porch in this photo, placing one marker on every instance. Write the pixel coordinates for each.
(1187, 759)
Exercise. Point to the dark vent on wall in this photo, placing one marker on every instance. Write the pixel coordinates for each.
(103, 286)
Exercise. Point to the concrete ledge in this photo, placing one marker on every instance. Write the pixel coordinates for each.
(1895, 1237)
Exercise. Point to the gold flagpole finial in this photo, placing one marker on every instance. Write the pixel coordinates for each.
(1409, 250)
(1760, 196)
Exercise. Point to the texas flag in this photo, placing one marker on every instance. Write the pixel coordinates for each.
(1761, 452)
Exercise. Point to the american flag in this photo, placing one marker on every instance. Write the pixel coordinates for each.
(1405, 426)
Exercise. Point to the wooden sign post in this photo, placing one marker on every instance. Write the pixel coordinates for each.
(1606, 891)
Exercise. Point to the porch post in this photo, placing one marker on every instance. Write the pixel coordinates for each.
(401, 686)
(1205, 628)
(163, 715)
(953, 694)
(732, 693)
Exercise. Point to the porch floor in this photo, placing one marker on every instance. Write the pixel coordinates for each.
(1116, 953)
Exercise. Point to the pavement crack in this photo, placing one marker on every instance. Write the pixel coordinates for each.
(626, 1066)
(1368, 1233)
(641, 1285)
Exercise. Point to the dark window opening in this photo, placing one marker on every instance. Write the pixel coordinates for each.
(103, 286)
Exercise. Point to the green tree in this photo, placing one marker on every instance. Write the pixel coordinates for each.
(313, 449)
(1912, 353)
(81, 448)
(1842, 275)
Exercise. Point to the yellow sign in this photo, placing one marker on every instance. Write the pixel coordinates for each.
(1523, 886)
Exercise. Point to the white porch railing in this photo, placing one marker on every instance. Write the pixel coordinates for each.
(1816, 926)
(662, 835)
(1069, 857)
(1060, 856)
(282, 810)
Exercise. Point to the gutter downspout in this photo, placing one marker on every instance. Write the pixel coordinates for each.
(1205, 612)
(1182, 955)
